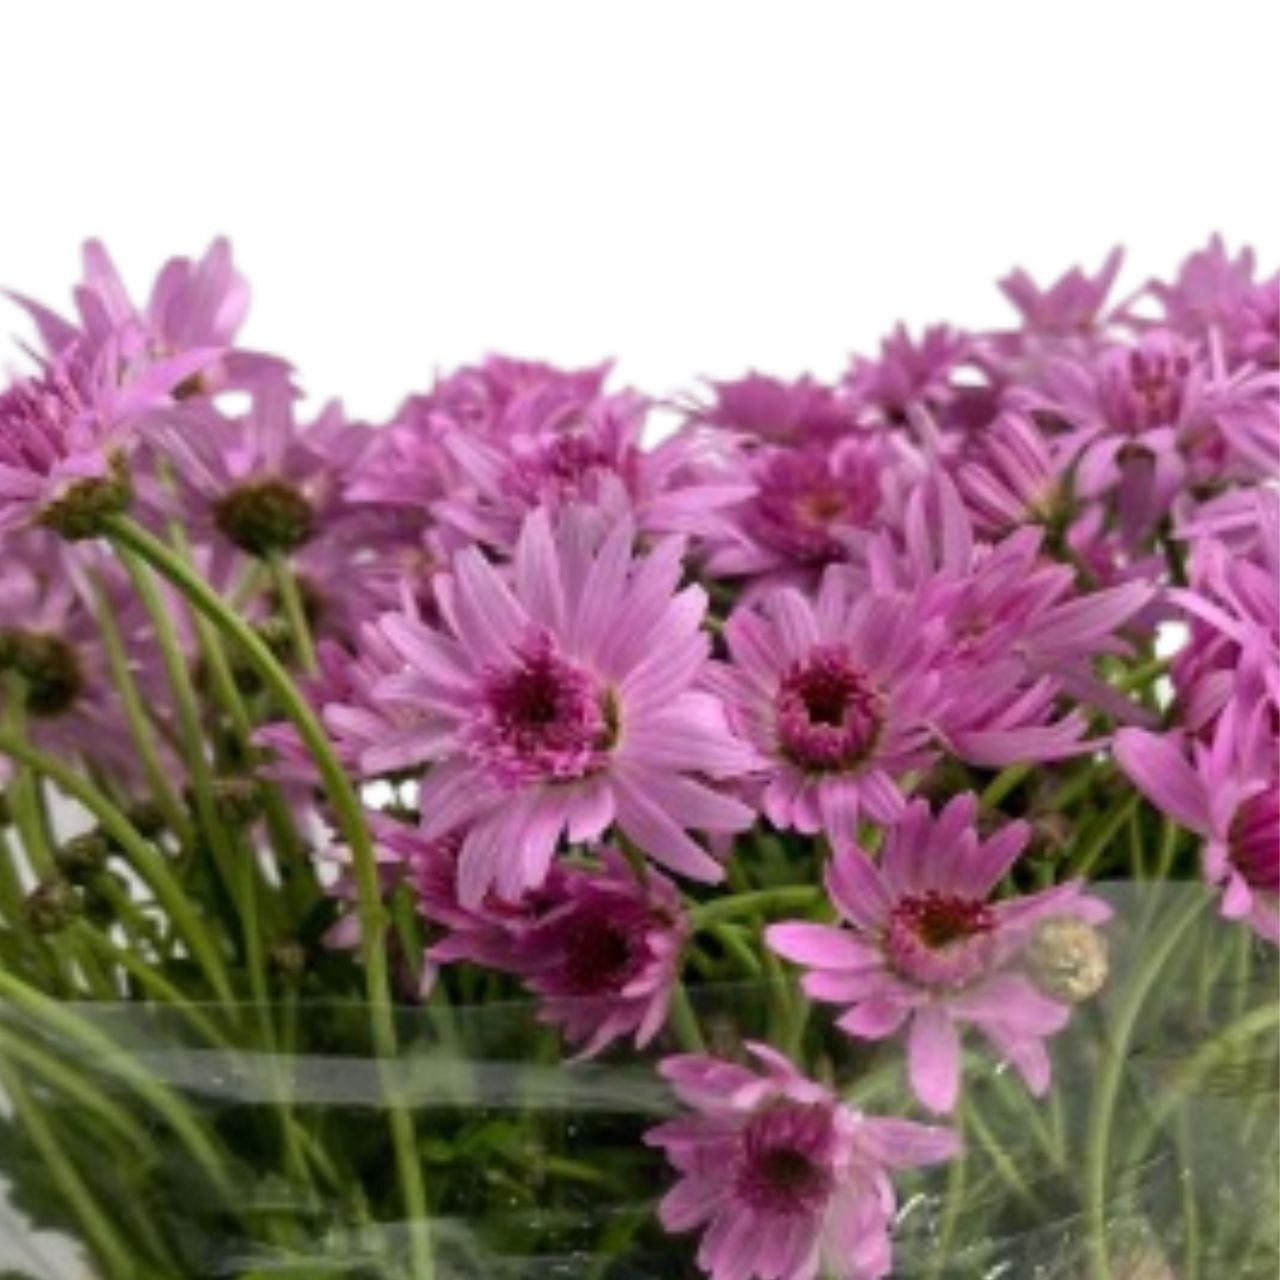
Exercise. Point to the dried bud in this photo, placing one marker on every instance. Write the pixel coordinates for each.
(1050, 836)
(1067, 959)
(148, 818)
(83, 856)
(288, 958)
(52, 905)
(239, 800)
(265, 516)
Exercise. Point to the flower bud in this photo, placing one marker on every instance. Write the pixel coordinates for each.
(239, 800)
(1067, 959)
(83, 856)
(52, 905)
(48, 667)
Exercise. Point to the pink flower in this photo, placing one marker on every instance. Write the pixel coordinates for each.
(66, 433)
(838, 697)
(585, 454)
(262, 480)
(1216, 298)
(768, 411)
(787, 1182)
(1070, 307)
(604, 954)
(193, 306)
(910, 374)
(560, 702)
(1228, 792)
(925, 947)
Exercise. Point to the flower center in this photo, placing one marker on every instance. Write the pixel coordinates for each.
(1255, 842)
(829, 714)
(940, 940)
(600, 955)
(786, 1157)
(49, 667)
(544, 719)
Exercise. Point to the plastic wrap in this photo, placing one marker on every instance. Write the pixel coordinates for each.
(1152, 1157)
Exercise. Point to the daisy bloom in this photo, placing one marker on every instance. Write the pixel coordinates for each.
(838, 698)
(787, 1181)
(561, 701)
(604, 956)
(1226, 791)
(922, 946)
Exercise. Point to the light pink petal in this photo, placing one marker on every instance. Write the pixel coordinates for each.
(876, 1018)
(933, 1059)
(820, 946)
(1158, 768)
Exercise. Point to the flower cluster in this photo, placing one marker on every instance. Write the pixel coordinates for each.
(507, 688)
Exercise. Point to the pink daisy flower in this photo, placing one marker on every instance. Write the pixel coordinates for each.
(787, 1181)
(1227, 791)
(67, 432)
(193, 306)
(604, 956)
(837, 696)
(923, 946)
(1069, 308)
(763, 410)
(560, 702)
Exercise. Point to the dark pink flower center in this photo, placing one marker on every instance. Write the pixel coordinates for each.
(939, 939)
(544, 719)
(1255, 842)
(829, 714)
(785, 1165)
(600, 954)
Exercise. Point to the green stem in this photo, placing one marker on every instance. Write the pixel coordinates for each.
(1007, 781)
(64, 1024)
(295, 615)
(349, 816)
(189, 718)
(24, 796)
(140, 727)
(98, 1229)
(143, 857)
(762, 902)
(684, 1022)
(1129, 1005)
(1090, 854)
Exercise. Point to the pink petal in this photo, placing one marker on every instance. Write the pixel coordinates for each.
(933, 1059)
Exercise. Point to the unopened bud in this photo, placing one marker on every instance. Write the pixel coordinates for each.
(51, 906)
(288, 958)
(83, 855)
(239, 800)
(1067, 959)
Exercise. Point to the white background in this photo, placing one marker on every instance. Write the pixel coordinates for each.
(693, 187)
